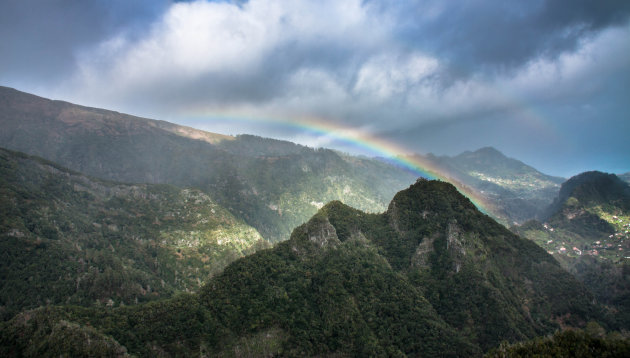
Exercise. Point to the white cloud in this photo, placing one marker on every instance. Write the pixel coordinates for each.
(191, 39)
(207, 39)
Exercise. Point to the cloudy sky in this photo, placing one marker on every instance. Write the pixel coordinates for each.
(544, 81)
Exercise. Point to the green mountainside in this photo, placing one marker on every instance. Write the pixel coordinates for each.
(587, 230)
(67, 238)
(517, 191)
(432, 276)
(272, 185)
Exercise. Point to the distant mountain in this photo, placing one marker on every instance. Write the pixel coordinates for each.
(625, 177)
(592, 189)
(592, 206)
(272, 185)
(516, 190)
(66, 238)
(587, 229)
(431, 276)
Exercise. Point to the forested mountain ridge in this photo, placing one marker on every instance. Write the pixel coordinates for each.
(272, 185)
(471, 268)
(432, 276)
(67, 238)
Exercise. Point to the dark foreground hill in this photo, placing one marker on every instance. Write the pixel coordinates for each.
(431, 276)
(272, 185)
(66, 238)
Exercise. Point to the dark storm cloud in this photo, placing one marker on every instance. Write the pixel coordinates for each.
(484, 35)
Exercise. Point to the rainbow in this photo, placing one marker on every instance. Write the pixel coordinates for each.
(357, 138)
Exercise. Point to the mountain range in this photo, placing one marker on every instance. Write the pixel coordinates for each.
(145, 238)
(430, 276)
(272, 185)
